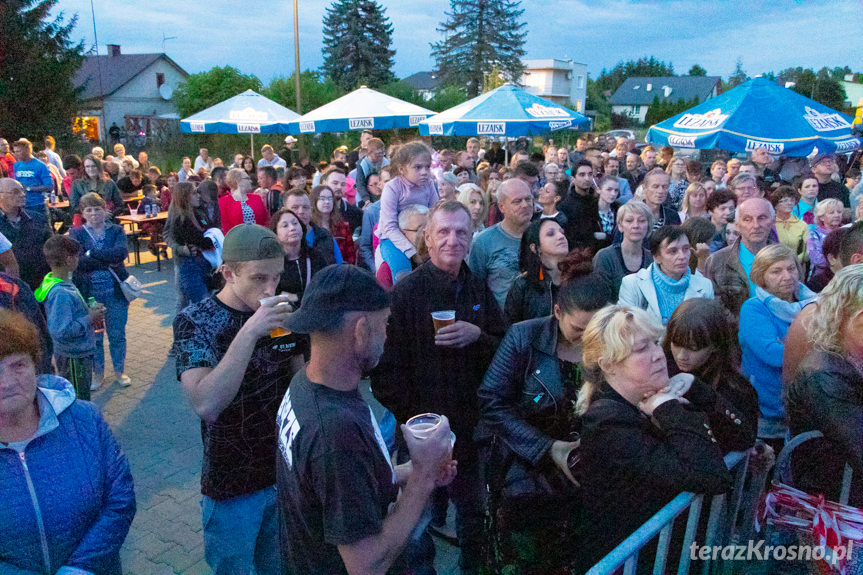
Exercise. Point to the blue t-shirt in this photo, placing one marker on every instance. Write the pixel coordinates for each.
(33, 174)
(747, 258)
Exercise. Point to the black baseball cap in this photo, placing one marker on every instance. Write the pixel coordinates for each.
(333, 292)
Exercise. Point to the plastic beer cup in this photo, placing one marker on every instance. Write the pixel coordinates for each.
(423, 425)
(442, 319)
(277, 331)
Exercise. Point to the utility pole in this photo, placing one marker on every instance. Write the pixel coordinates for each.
(299, 109)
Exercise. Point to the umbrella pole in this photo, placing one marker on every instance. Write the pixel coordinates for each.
(252, 146)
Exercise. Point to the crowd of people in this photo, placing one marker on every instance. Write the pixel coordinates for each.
(588, 330)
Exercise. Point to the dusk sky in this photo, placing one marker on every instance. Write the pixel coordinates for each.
(257, 37)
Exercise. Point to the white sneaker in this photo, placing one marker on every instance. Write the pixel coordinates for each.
(97, 382)
(124, 380)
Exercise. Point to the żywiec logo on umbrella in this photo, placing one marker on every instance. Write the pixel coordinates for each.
(537, 110)
(248, 115)
(712, 119)
(825, 122)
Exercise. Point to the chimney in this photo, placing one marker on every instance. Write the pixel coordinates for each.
(113, 50)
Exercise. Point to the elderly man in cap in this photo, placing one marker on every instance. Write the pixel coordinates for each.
(429, 368)
(823, 167)
(336, 482)
(235, 363)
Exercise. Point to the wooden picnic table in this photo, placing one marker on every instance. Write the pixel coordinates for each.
(131, 199)
(141, 218)
(59, 205)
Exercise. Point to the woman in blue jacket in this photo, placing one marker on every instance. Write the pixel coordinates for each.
(100, 271)
(68, 498)
(764, 322)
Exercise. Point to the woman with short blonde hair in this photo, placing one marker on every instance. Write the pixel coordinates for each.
(828, 217)
(641, 443)
(764, 322)
(239, 206)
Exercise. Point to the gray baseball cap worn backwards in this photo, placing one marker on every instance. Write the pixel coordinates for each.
(249, 243)
(333, 292)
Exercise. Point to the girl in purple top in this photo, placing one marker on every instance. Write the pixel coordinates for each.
(414, 184)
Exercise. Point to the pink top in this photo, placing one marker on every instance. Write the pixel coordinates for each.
(397, 195)
(232, 211)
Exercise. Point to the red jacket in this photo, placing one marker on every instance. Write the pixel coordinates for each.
(344, 238)
(232, 211)
(6, 165)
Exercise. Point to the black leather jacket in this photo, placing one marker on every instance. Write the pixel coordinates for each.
(521, 404)
(827, 396)
(528, 299)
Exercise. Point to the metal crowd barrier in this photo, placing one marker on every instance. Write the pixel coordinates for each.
(723, 528)
(783, 464)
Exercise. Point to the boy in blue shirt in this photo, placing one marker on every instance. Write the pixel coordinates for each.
(70, 319)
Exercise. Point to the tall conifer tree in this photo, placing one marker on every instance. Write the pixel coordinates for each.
(357, 39)
(480, 36)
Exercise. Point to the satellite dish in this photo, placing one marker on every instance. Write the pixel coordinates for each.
(166, 91)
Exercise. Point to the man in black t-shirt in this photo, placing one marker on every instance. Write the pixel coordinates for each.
(235, 375)
(338, 490)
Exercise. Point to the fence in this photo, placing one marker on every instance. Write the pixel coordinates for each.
(722, 527)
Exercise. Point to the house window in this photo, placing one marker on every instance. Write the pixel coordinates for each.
(160, 79)
(580, 81)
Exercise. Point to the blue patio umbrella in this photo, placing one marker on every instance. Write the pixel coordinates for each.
(758, 113)
(505, 111)
(246, 113)
(362, 109)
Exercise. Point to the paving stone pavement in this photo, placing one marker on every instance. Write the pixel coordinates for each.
(160, 435)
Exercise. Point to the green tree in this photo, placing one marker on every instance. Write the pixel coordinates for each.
(493, 79)
(697, 70)
(738, 77)
(610, 81)
(314, 89)
(480, 35)
(200, 91)
(37, 64)
(446, 98)
(822, 86)
(357, 39)
(662, 110)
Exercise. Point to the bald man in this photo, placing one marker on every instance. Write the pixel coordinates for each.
(729, 268)
(494, 255)
(27, 232)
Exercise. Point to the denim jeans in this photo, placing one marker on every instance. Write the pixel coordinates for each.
(103, 288)
(192, 278)
(241, 534)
